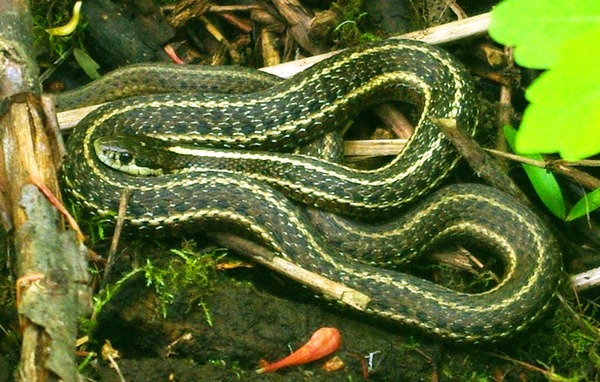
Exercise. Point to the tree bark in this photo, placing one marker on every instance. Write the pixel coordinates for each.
(52, 290)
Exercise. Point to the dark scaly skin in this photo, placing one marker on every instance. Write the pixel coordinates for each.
(282, 118)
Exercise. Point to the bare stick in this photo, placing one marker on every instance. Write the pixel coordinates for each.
(116, 237)
(373, 147)
(318, 283)
(586, 280)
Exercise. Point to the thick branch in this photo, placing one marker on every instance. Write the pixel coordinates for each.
(51, 290)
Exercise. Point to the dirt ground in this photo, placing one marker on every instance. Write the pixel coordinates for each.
(248, 314)
(256, 315)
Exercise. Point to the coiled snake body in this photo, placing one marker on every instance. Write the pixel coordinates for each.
(232, 177)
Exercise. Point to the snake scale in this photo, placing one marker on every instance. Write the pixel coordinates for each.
(227, 161)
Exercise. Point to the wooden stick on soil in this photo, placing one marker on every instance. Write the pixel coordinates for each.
(316, 282)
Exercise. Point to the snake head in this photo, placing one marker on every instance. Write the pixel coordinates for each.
(138, 156)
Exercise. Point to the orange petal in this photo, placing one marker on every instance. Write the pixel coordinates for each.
(322, 343)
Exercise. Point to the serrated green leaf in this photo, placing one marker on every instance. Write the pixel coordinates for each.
(537, 28)
(542, 180)
(585, 205)
(89, 66)
(564, 114)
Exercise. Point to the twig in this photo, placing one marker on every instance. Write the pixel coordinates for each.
(116, 237)
(298, 19)
(392, 117)
(559, 166)
(314, 281)
(373, 147)
(576, 176)
(505, 109)
(586, 280)
(481, 163)
(233, 8)
(550, 375)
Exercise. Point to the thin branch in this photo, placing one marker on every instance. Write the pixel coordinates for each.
(318, 283)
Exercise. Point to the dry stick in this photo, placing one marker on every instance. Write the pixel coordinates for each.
(586, 280)
(116, 236)
(484, 166)
(392, 117)
(232, 8)
(318, 283)
(298, 20)
(581, 177)
(549, 374)
(580, 163)
(559, 166)
(371, 147)
(505, 109)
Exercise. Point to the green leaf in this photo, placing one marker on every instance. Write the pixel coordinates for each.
(565, 103)
(538, 28)
(585, 205)
(89, 66)
(543, 181)
(69, 27)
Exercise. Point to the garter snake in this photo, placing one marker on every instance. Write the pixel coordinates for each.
(231, 178)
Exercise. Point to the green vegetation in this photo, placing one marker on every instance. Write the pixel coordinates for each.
(560, 37)
(578, 337)
(567, 345)
(48, 14)
(188, 272)
(189, 269)
(351, 31)
(94, 226)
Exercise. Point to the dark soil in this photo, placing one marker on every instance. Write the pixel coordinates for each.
(256, 315)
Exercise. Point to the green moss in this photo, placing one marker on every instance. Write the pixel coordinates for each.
(95, 227)
(190, 270)
(353, 30)
(566, 344)
(578, 340)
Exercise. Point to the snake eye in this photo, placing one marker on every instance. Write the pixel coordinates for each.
(125, 157)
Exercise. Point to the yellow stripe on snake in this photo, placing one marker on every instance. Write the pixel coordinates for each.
(222, 161)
